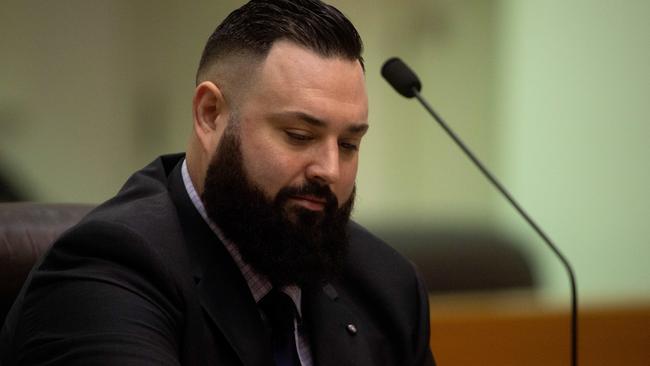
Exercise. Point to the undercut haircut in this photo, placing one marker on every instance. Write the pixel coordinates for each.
(252, 29)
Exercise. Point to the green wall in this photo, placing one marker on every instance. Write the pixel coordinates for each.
(574, 82)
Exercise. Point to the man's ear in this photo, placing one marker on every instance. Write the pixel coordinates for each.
(209, 110)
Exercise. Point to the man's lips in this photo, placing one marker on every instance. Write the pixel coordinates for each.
(310, 202)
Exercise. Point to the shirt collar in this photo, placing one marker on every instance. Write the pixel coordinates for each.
(258, 284)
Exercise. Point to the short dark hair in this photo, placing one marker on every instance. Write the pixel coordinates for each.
(254, 27)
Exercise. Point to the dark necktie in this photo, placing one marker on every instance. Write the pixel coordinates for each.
(280, 312)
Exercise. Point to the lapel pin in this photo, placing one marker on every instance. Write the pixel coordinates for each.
(352, 329)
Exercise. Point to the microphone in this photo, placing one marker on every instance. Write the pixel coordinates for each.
(401, 77)
(406, 82)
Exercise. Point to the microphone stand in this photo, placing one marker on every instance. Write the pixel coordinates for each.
(522, 212)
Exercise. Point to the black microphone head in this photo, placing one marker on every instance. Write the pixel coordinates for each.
(401, 77)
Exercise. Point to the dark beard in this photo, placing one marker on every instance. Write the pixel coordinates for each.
(288, 244)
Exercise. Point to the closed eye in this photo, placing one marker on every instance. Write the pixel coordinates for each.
(349, 146)
(298, 137)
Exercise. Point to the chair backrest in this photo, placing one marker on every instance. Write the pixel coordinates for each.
(27, 230)
(468, 260)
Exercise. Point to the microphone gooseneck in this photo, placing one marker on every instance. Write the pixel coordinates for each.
(406, 82)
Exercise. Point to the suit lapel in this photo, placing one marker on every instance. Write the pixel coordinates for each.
(226, 298)
(222, 289)
(334, 331)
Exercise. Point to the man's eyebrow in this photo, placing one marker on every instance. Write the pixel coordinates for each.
(356, 128)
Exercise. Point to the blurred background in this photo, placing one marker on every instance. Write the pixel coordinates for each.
(552, 95)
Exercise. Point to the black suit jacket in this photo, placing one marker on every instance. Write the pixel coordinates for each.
(142, 280)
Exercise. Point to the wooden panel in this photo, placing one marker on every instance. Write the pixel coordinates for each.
(482, 331)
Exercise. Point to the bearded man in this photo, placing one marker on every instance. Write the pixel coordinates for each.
(240, 251)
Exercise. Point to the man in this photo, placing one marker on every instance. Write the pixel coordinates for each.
(241, 251)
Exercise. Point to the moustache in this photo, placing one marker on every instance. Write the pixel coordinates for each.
(319, 191)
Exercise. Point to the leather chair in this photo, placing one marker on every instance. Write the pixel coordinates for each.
(26, 231)
(470, 260)
(449, 262)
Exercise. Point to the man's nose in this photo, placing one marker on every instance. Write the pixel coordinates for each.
(324, 164)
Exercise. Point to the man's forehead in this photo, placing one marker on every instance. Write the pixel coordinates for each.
(300, 84)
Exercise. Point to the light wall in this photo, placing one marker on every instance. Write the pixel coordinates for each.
(574, 82)
(550, 94)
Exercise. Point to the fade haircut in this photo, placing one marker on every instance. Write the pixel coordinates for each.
(252, 30)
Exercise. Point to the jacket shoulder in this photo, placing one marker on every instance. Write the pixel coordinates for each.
(370, 254)
(117, 277)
